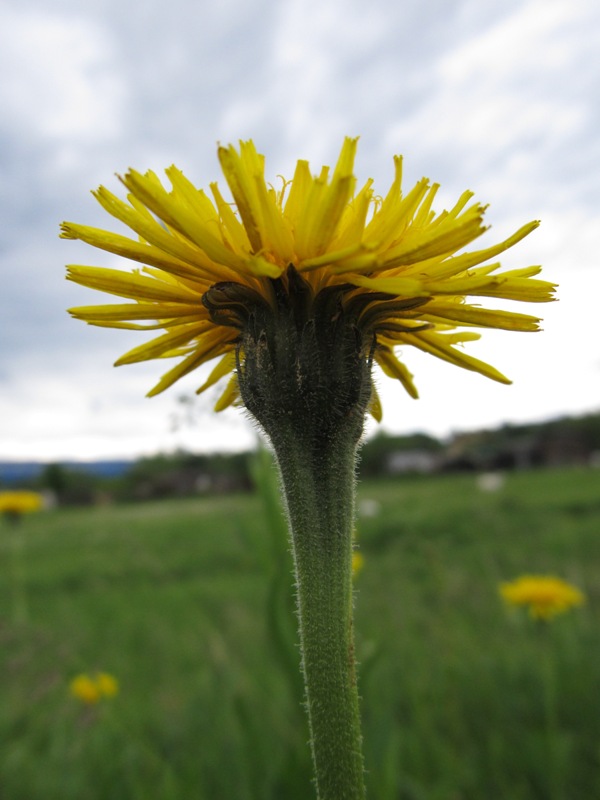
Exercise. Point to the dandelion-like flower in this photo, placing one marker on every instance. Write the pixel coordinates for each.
(358, 562)
(296, 292)
(544, 595)
(91, 689)
(17, 502)
(389, 268)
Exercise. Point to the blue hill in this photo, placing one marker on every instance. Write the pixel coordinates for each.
(16, 471)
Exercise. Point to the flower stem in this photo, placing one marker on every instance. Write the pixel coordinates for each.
(304, 373)
(319, 486)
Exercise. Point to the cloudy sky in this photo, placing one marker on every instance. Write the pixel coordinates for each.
(500, 98)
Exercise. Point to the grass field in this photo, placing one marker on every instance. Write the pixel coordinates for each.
(187, 603)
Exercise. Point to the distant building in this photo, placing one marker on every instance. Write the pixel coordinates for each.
(420, 461)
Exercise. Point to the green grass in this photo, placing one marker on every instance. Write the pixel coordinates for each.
(187, 604)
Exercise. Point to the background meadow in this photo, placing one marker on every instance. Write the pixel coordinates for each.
(188, 603)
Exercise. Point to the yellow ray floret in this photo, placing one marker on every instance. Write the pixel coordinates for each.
(405, 262)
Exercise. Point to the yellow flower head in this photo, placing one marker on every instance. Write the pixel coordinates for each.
(107, 684)
(20, 502)
(544, 595)
(392, 264)
(358, 562)
(90, 689)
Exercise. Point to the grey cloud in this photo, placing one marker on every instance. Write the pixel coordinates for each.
(159, 84)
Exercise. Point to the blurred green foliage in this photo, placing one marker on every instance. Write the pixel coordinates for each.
(189, 604)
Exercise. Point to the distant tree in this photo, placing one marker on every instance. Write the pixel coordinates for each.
(376, 452)
(184, 474)
(70, 486)
(55, 478)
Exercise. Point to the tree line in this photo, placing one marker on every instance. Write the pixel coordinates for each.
(559, 442)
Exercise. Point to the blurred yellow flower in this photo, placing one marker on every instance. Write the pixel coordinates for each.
(20, 502)
(544, 595)
(391, 265)
(90, 689)
(107, 684)
(358, 562)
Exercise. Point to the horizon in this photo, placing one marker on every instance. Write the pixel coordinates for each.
(258, 443)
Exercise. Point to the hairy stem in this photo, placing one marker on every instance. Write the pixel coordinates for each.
(304, 373)
(319, 485)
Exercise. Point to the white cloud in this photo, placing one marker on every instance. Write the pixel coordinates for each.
(63, 83)
(496, 98)
(83, 406)
(315, 51)
(511, 95)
